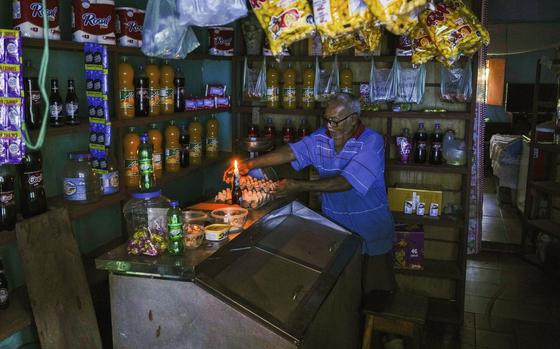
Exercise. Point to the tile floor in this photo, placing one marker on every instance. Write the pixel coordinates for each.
(500, 224)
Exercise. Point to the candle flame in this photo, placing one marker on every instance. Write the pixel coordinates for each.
(235, 165)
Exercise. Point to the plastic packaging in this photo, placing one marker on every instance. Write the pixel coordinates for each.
(129, 25)
(206, 13)
(382, 84)
(411, 83)
(254, 81)
(253, 35)
(163, 35)
(456, 83)
(338, 17)
(193, 226)
(80, 183)
(454, 150)
(221, 41)
(28, 18)
(94, 21)
(146, 211)
(327, 81)
(234, 216)
(423, 48)
(398, 16)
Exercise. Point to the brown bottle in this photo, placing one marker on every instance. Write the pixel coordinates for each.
(172, 148)
(131, 141)
(156, 139)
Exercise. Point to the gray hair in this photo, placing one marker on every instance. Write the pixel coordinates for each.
(347, 100)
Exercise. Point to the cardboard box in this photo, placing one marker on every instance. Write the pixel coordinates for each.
(408, 247)
(397, 197)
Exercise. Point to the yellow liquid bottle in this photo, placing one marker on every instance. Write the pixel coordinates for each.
(155, 138)
(172, 148)
(195, 142)
(346, 80)
(126, 90)
(272, 87)
(289, 88)
(307, 95)
(167, 88)
(152, 70)
(212, 135)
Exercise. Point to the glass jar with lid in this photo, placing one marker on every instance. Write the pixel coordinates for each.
(146, 210)
(81, 184)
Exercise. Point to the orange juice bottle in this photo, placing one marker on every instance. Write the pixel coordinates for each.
(195, 142)
(166, 88)
(307, 95)
(212, 135)
(272, 87)
(153, 91)
(126, 89)
(346, 78)
(172, 147)
(156, 139)
(131, 141)
(289, 88)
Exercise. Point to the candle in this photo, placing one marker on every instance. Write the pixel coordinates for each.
(235, 169)
(236, 190)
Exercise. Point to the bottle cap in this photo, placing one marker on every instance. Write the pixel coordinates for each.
(144, 138)
(146, 194)
(174, 204)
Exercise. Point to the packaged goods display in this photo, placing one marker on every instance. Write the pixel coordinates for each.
(412, 197)
(56, 116)
(436, 151)
(126, 89)
(28, 18)
(335, 18)
(398, 16)
(129, 23)
(289, 88)
(456, 83)
(147, 179)
(156, 140)
(131, 141)
(409, 246)
(94, 21)
(141, 93)
(423, 48)
(382, 84)
(166, 88)
(80, 183)
(72, 105)
(153, 73)
(420, 144)
(411, 83)
(179, 92)
(404, 146)
(220, 41)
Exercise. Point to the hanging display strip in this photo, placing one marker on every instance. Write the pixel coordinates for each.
(12, 146)
(96, 61)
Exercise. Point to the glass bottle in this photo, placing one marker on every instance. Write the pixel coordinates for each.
(272, 87)
(303, 130)
(307, 95)
(212, 136)
(404, 145)
(72, 105)
(7, 199)
(288, 133)
(32, 101)
(289, 88)
(141, 94)
(195, 142)
(145, 164)
(420, 140)
(56, 118)
(436, 151)
(175, 229)
(81, 184)
(33, 199)
(179, 95)
(270, 131)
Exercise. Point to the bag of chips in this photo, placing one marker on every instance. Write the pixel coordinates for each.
(398, 16)
(456, 83)
(382, 84)
(284, 22)
(411, 83)
(254, 81)
(484, 34)
(369, 38)
(334, 18)
(327, 81)
(332, 46)
(423, 48)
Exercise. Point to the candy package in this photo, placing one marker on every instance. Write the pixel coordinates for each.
(382, 84)
(254, 81)
(335, 18)
(411, 83)
(404, 46)
(266, 51)
(456, 83)
(423, 48)
(206, 13)
(284, 22)
(221, 41)
(145, 242)
(327, 81)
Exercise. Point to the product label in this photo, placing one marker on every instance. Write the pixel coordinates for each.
(156, 160)
(307, 95)
(35, 97)
(75, 189)
(154, 97)
(110, 182)
(211, 145)
(141, 93)
(55, 111)
(289, 95)
(175, 230)
(145, 167)
(272, 94)
(7, 198)
(421, 145)
(127, 99)
(195, 150)
(322, 11)
(172, 156)
(166, 96)
(131, 167)
(72, 109)
(34, 179)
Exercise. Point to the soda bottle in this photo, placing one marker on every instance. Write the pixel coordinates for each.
(436, 151)
(175, 229)
(288, 133)
(152, 70)
(195, 142)
(110, 177)
(72, 105)
(346, 79)
(7, 199)
(131, 142)
(126, 90)
(269, 130)
(253, 134)
(172, 148)
(33, 200)
(155, 137)
(179, 95)
(141, 98)
(32, 101)
(166, 94)
(307, 96)
(289, 88)
(4, 294)
(145, 165)
(56, 118)
(212, 135)
(303, 130)
(404, 145)
(272, 87)
(420, 139)
(184, 141)
(236, 193)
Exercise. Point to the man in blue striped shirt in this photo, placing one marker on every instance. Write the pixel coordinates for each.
(350, 161)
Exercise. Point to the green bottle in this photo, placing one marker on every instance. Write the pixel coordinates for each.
(175, 229)
(145, 165)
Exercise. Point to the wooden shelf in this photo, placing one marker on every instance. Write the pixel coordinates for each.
(7, 237)
(206, 162)
(297, 111)
(77, 210)
(444, 311)
(546, 226)
(548, 187)
(548, 147)
(442, 221)
(364, 59)
(139, 121)
(396, 165)
(60, 131)
(436, 269)
(18, 315)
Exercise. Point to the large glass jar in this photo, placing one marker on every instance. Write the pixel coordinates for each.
(81, 184)
(146, 210)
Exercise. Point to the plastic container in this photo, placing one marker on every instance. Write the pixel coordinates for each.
(195, 217)
(234, 216)
(146, 210)
(80, 183)
(216, 232)
(193, 226)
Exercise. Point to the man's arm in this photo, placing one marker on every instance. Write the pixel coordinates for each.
(288, 187)
(280, 156)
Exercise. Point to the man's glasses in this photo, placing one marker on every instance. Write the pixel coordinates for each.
(335, 123)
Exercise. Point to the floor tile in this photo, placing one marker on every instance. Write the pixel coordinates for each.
(494, 340)
(476, 304)
(484, 275)
(480, 288)
(495, 323)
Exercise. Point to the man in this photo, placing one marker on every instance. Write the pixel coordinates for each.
(350, 162)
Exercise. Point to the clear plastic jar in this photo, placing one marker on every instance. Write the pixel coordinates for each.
(146, 210)
(80, 183)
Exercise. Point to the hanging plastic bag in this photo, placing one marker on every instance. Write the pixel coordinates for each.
(411, 83)
(456, 83)
(163, 36)
(382, 84)
(209, 13)
(254, 81)
(326, 81)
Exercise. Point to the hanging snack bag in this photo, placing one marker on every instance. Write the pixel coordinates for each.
(470, 16)
(456, 83)
(332, 46)
(423, 48)
(339, 17)
(398, 16)
(284, 22)
(411, 83)
(327, 81)
(382, 84)
(404, 45)
(369, 38)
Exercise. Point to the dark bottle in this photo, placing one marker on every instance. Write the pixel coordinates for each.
(71, 105)
(33, 199)
(236, 193)
(436, 151)
(141, 97)
(56, 117)
(145, 164)
(179, 95)
(184, 142)
(269, 130)
(420, 140)
(4, 294)
(303, 130)
(32, 101)
(288, 133)
(253, 132)
(7, 199)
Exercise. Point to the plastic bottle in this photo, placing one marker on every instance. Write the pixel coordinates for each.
(156, 139)
(7, 199)
(126, 90)
(289, 88)
(131, 142)
(420, 140)
(81, 184)
(141, 97)
(404, 145)
(272, 87)
(346, 79)
(269, 130)
(179, 95)
(166, 94)
(288, 133)
(184, 141)
(33, 200)
(212, 137)
(110, 179)
(32, 100)
(307, 96)
(175, 229)
(152, 70)
(172, 148)
(195, 142)
(436, 150)
(145, 165)
(56, 117)
(303, 130)
(72, 105)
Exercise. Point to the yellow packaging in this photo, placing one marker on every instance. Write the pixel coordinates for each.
(423, 48)
(339, 17)
(398, 16)
(369, 38)
(284, 21)
(398, 196)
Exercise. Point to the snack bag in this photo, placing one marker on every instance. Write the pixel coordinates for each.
(336, 45)
(284, 21)
(423, 48)
(339, 17)
(398, 16)
(369, 38)
(469, 15)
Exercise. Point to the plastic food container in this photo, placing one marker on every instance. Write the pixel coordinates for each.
(234, 216)
(194, 236)
(216, 232)
(194, 217)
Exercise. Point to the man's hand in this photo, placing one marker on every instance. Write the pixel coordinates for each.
(243, 166)
(287, 187)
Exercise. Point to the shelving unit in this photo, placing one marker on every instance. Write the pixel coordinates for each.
(18, 315)
(165, 118)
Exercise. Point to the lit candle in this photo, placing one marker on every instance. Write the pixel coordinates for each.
(235, 169)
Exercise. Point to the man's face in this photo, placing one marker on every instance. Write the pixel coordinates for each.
(341, 120)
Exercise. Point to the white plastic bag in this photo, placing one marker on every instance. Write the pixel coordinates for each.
(209, 13)
(382, 84)
(163, 36)
(411, 83)
(327, 81)
(254, 81)
(456, 83)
